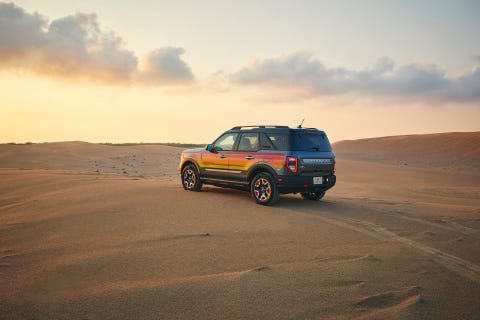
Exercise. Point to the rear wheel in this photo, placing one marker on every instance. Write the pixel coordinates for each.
(190, 178)
(315, 196)
(263, 189)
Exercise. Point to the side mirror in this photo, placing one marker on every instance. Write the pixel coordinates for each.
(209, 147)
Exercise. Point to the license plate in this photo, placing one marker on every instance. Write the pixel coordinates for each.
(317, 180)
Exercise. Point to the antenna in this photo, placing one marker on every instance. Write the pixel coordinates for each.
(300, 125)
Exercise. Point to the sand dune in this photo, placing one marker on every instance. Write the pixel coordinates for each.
(136, 160)
(388, 242)
(458, 151)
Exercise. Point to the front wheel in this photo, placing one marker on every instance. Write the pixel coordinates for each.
(315, 196)
(263, 189)
(190, 178)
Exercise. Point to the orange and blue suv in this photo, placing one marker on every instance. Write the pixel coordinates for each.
(265, 160)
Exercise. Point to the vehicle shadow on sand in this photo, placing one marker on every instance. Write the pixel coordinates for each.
(286, 201)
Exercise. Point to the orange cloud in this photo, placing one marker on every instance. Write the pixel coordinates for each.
(75, 46)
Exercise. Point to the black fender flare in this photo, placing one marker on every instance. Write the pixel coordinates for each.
(188, 161)
(260, 167)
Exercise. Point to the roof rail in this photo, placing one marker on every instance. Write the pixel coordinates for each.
(259, 126)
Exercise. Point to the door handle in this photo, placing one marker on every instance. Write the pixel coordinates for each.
(249, 157)
(223, 156)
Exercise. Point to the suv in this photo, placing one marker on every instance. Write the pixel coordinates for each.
(265, 160)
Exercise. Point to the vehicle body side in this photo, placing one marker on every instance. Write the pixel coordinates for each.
(235, 168)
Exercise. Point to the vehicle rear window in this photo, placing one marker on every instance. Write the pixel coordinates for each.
(315, 141)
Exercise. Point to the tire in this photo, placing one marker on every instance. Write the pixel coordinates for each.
(263, 189)
(315, 196)
(191, 178)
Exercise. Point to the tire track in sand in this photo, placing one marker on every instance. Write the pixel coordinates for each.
(453, 263)
(449, 261)
(444, 224)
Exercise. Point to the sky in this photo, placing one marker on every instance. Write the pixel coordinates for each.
(186, 71)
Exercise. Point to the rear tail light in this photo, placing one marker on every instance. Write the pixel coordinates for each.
(292, 164)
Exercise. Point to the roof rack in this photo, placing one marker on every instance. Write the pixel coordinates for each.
(258, 126)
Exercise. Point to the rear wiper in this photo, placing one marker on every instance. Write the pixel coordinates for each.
(316, 148)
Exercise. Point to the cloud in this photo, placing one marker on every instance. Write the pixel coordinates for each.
(165, 66)
(467, 87)
(19, 32)
(75, 46)
(304, 76)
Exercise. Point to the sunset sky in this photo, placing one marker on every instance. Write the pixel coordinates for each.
(185, 71)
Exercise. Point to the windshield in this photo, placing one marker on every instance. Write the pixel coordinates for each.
(315, 141)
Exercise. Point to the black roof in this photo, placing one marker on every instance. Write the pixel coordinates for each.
(268, 127)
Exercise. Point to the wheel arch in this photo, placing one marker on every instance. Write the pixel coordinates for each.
(190, 161)
(258, 169)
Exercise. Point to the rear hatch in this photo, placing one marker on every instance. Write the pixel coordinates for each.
(314, 152)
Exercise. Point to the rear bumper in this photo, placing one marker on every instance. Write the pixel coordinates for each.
(296, 184)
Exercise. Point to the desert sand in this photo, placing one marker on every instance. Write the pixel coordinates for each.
(92, 231)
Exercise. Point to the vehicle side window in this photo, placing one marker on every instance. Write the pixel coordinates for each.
(226, 142)
(248, 142)
(279, 140)
(265, 143)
